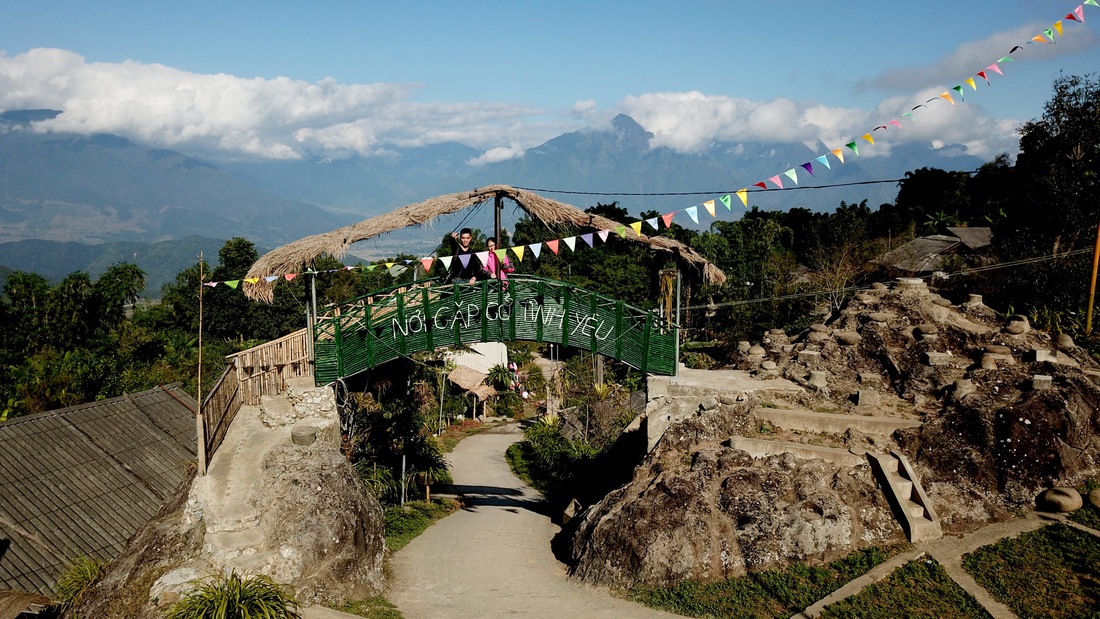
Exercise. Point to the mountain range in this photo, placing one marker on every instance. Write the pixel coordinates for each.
(64, 190)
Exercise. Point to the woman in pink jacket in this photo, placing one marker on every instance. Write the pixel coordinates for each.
(496, 267)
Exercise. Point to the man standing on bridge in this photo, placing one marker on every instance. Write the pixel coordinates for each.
(461, 246)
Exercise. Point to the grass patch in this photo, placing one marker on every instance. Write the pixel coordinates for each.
(454, 433)
(403, 524)
(373, 608)
(776, 593)
(920, 588)
(516, 456)
(1052, 572)
(1087, 515)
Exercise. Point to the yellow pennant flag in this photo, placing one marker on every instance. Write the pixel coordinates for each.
(709, 204)
(518, 251)
(970, 81)
(947, 96)
(867, 136)
(252, 280)
(743, 194)
(839, 154)
(636, 227)
(1058, 26)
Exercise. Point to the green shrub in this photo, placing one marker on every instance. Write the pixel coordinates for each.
(79, 575)
(509, 404)
(233, 597)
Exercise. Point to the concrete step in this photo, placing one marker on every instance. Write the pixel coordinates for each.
(835, 423)
(914, 509)
(910, 503)
(254, 563)
(904, 486)
(760, 448)
(225, 546)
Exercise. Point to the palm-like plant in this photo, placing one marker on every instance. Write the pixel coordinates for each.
(233, 597)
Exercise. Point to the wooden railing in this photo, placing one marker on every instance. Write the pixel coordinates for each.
(250, 374)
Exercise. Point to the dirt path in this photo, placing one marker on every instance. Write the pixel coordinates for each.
(493, 558)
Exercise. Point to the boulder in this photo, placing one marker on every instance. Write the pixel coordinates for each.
(848, 338)
(757, 351)
(1059, 500)
(879, 316)
(819, 328)
(1064, 343)
(1094, 497)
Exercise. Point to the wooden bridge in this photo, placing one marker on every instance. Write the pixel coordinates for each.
(368, 331)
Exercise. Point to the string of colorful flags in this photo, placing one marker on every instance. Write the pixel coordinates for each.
(1046, 37)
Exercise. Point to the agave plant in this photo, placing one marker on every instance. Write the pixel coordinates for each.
(234, 597)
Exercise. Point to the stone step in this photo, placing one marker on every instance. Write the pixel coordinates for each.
(225, 546)
(760, 448)
(835, 423)
(254, 563)
(911, 505)
(914, 509)
(904, 486)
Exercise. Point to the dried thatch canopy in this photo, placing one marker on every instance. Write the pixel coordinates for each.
(290, 258)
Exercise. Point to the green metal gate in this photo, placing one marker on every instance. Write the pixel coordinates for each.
(371, 330)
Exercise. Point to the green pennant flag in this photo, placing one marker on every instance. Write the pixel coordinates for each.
(726, 201)
(233, 284)
(959, 89)
(621, 230)
(852, 145)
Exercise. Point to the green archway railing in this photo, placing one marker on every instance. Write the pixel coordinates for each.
(368, 331)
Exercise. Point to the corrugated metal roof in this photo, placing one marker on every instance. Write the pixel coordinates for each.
(82, 480)
(924, 253)
(974, 238)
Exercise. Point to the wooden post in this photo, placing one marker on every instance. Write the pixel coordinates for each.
(498, 205)
(200, 420)
(1092, 286)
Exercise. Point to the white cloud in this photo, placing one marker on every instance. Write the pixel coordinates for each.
(494, 155)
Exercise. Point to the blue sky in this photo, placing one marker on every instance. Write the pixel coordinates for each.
(287, 80)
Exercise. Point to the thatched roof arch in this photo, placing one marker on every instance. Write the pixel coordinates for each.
(290, 257)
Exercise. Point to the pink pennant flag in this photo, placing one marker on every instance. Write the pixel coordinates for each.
(603, 235)
(824, 159)
(571, 243)
(778, 182)
(838, 153)
(446, 261)
(709, 205)
(587, 238)
(535, 249)
(896, 123)
(869, 138)
(553, 245)
(636, 227)
(693, 213)
(427, 262)
(982, 75)
(210, 284)
(483, 257)
(652, 221)
(809, 167)
(464, 259)
(271, 278)
(518, 251)
(667, 219)
(1079, 13)
(744, 195)
(290, 276)
(233, 284)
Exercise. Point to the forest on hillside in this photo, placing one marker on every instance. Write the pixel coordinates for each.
(79, 341)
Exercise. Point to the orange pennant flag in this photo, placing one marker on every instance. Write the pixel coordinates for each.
(743, 194)
(427, 262)
(553, 245)
(709, 204)
(839, 154)
(667, 218)
(947, 96)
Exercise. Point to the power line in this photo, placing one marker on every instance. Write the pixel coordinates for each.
(721, 191)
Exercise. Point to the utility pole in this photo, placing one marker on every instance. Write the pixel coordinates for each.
(676, 365)
(498, 205)
(200, 421)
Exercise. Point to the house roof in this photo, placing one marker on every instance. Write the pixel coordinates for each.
(974, 238)
(924, 253)
(472, 381)
(82, 480)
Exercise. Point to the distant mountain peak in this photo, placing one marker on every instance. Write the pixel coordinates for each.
(25, 117)
(628, 127)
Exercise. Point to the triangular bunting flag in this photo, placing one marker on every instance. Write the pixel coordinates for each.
(792, 174)
(809, 167)
(1050, 34)
(210, 284)
(251, 280)
(271, 278)
(518, 251)
(349, 268)
(371, 267)
(652, 221)
(536, 248)
(427, 262)
(571, 242)
(501, 253)
(1005, 59)
(620, 230)
(958, 89)
(408, 261)
(778, 182)
(760, 185)
(726, 201)
(667, 219)
(824, 159)
(389, 265)
(233, 284)
(896, 123)
(839, 154)
(970, 81)
(744, 195)
(994, 68)
(587, 238)
(1039, 39)
(1071, 16)
(462, 258)
(636, 227)
(446, 261)
(1058, 27)
(290, 276)
(910, 116)
(693, 213)
(709, 205)
(603, 235)
(1091, 2)
(947, 96)
(982, 75)
(553, 245)
(1079, 12)
(869, 138)
(852, 145)
(482, 257)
